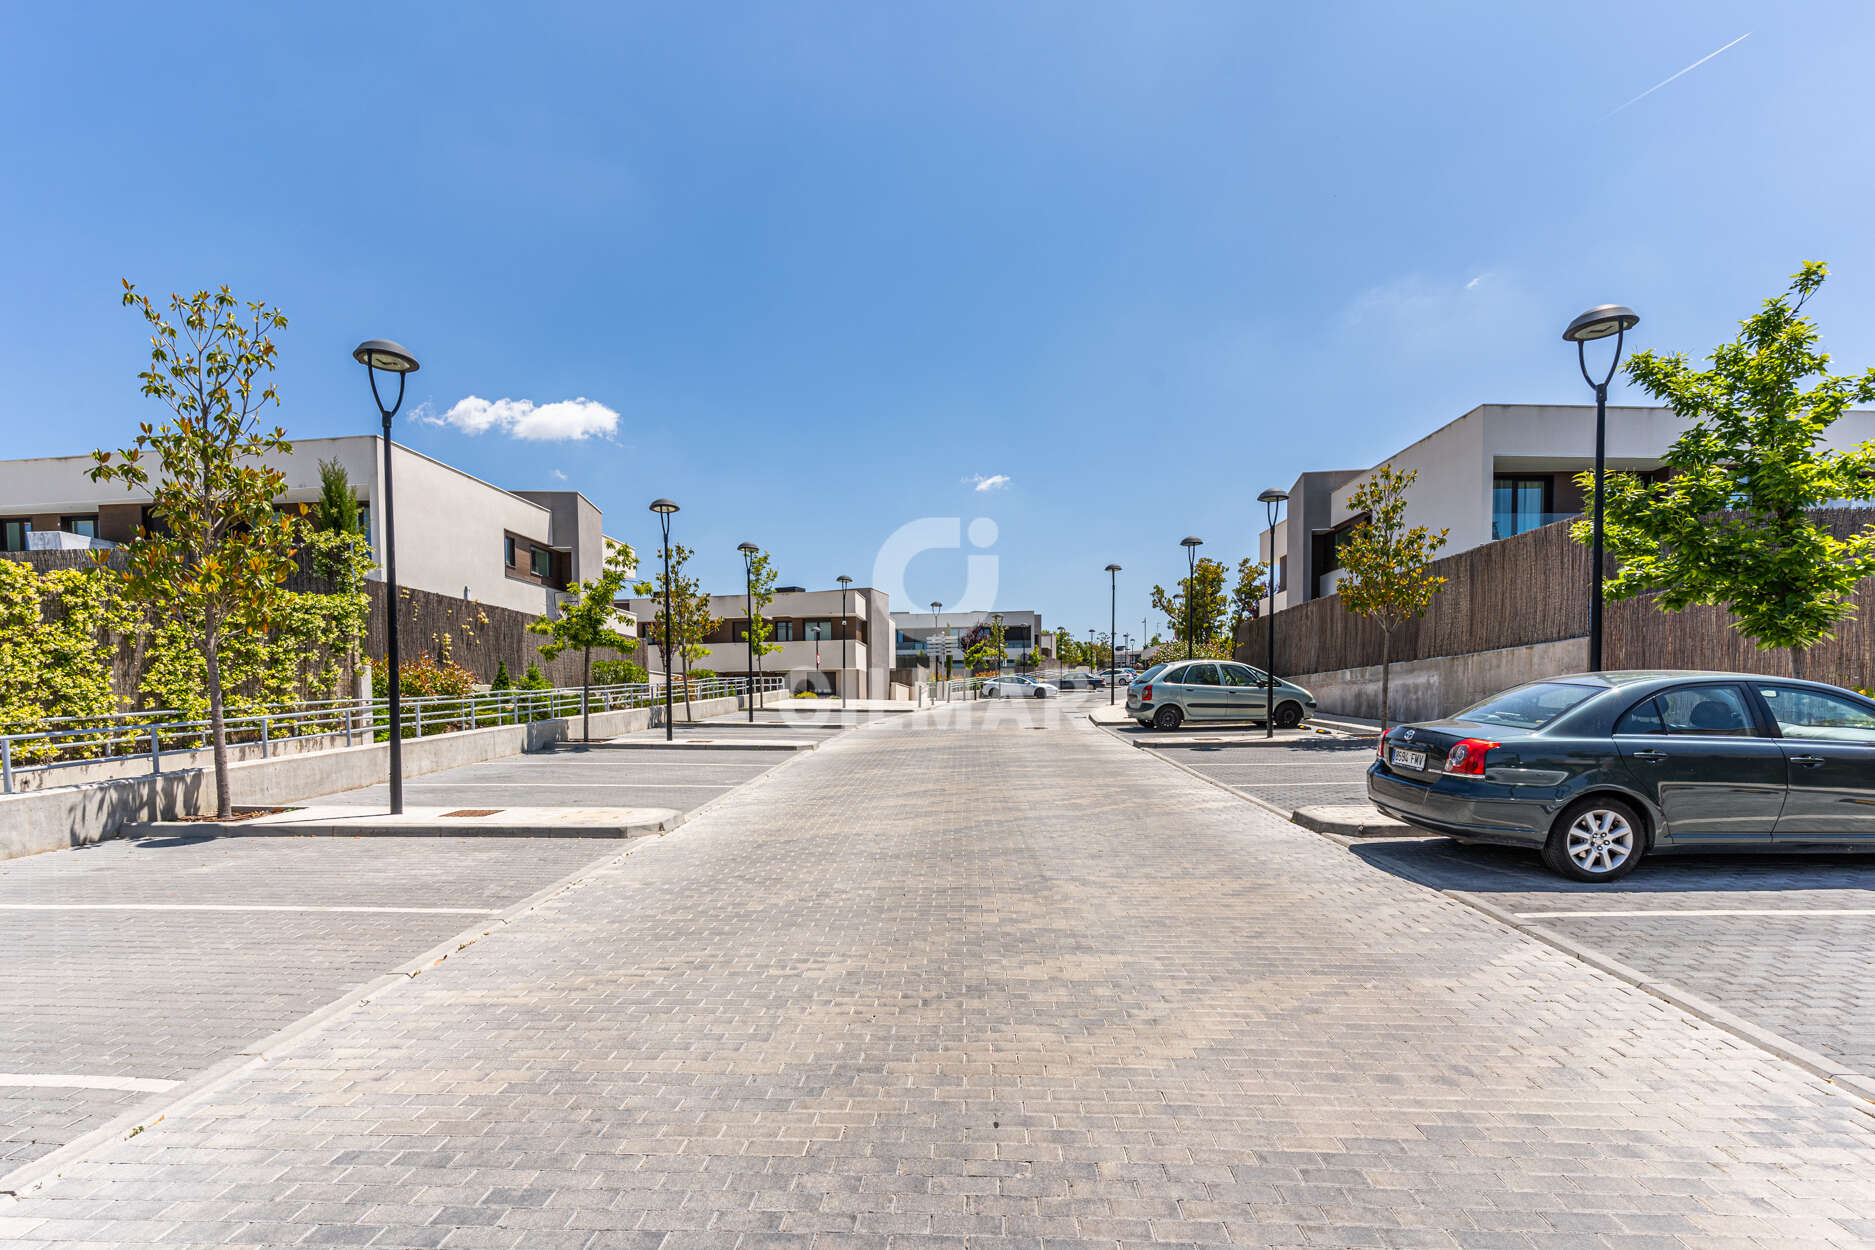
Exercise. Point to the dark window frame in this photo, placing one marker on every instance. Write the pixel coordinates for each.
(66, 524)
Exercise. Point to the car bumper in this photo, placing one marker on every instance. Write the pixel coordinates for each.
(1445, 806)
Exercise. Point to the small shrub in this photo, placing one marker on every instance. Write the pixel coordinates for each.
(617, 673)
(502, 680)
(535, 680)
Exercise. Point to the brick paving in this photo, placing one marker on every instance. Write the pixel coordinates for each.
(943, 985)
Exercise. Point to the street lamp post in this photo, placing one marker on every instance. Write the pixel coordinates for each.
(749, 552)
(376, 354)
(1272, 501)
(935, 605)
(1113, 622)
(845, 592)
(664, 508)
(1599, 323)
(1191, 545)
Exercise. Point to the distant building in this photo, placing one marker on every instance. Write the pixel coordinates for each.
(925, 638)
(456, 534)
(1493, 473)
(830, 640)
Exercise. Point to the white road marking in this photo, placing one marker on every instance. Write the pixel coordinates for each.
(375, 911)
(1716, 911)
(133, 1084)
(572, 785)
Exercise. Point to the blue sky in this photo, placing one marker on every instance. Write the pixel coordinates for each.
(832, 264)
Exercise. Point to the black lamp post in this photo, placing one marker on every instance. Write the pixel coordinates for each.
(935, 605)
(664, 508)
(1599, 323)
(376, 354)
(749, 552)
(845, 594)
(1191, 546)
(1272, 501)
(1113, 622)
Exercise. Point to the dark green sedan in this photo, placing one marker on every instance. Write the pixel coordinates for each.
(1598, 769)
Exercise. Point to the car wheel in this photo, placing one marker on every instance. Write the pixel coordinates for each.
(1597, 839)
(1288, 715)
(1167, 718)
(1041, 694)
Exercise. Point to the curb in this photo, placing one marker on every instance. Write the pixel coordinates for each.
(246, 829)
(19, 1182)
(1857, 1085)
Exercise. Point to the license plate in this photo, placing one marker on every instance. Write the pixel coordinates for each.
(1402, 758)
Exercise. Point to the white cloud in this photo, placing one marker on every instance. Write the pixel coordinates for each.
(559, 476)
(995, 481)
(561, 421)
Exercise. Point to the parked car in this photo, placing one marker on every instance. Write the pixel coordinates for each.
(1166, 696)
(1017, 687)
(1117, 676)
(1079, 681)
(1596, 770)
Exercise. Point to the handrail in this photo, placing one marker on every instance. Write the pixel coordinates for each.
(152, 733)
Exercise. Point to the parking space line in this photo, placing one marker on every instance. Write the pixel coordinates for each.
(130, 1084)
(374, 911)
(571, 785)
(1654, 912)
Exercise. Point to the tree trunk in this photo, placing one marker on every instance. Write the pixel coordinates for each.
(1386, 666)
(217, 728)
(585, 695)
(1797, 661)
(690, 714)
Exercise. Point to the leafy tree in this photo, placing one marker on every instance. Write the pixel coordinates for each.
(1247, 596)
(502, 680)
(1730, 524)
(618, 673)
(1385, 578)
(989, 652)
(1205, 587)
(336, 510)
(762, 580)
(534, 679)
(682, 637)
(589, 621)
(219, 554)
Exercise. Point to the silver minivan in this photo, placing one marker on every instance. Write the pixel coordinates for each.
(1213, 690)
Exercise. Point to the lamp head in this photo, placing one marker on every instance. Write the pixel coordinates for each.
(844, 580)
(663, 507)
(1111, 568)
(386, 355)
(1273, 495)
(1191, 542)
(1600, 323)
(748, 549)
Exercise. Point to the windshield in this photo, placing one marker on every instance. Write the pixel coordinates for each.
(1529, 707)
(1150, 673)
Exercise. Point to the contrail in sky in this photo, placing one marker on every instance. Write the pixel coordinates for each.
(1664, 81)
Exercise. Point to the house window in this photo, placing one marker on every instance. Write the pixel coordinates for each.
(13, 533)
(1519, 504)
(507, 552)
(1282, 577)
(784, 631)
(738, 631)
(817, 631)
(540, 561)
(83, 525)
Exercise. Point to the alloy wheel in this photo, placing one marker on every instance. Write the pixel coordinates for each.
(1599, 841)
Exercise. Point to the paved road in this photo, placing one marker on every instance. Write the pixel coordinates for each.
(994, 979)
(130, 966)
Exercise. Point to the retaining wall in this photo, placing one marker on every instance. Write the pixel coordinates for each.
(1430, 689)
(48, 820)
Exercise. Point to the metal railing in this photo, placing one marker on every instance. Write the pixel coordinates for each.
(77, 741)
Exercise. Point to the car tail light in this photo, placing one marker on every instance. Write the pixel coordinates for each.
(1145, 696)
(1380, 748)
(1466, 758)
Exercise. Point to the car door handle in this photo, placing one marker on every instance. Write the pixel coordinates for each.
(1807, 761)
(1652, 757)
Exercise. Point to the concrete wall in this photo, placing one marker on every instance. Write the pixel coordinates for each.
(1429, 689)
(49, 820)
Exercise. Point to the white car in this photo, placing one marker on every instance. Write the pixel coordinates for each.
(1017, 688)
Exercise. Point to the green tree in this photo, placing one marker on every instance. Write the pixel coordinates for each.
(762, 578)
(590, 620)
(1384, 562)
(681, 638)
(336, 510)
(502, 680)
(1205, 589)
(534, 679)
(220, 553)
(1247, 596)
(1730, 525)
(989, 652)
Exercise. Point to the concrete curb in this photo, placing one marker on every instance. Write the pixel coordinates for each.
(16, 1184)
(699, 744)
(1350, 822)
(1856, 1085)
(670, 820)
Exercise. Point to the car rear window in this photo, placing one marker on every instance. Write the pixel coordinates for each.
(1529, 707)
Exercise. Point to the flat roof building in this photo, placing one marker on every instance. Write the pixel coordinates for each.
(833, 641)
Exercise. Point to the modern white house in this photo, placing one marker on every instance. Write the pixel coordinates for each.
(456, 534)
(1495, 472)
(830, 640)
(927, 637)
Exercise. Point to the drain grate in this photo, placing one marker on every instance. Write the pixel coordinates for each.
(474, 811)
